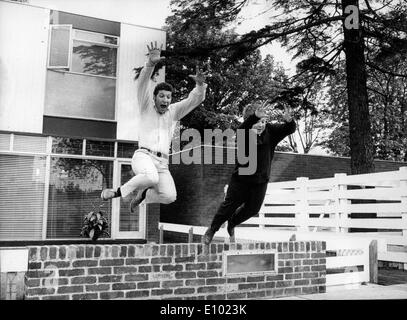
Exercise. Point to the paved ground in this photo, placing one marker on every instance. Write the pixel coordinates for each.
(362, 292)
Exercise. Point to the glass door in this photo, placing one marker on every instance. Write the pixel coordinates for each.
(128, 225)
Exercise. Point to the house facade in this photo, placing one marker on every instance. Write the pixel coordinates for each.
(68, 121)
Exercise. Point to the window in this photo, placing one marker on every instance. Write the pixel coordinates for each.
(22, 187)
(74, 189)
(81, 76)
(82, 51)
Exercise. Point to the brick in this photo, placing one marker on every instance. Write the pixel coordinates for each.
(195, 282)
(302, 269)
(138, 294)
(111, 295)
(80, 253)
(32, 254)
(124, 286)
(185, 274)
(285, 270)
(318, 255)
(216, 297)
(170, 250)
(282, 284)
(172, 283)
(185, 259)
(103, 270)
(207, 274)
(309, 290)
(285, 256)
(40, 291)
(301, 255)
(148, 285)
(215, 281)
(121, 270)
(62, 252)
(31, 283)
(89, 252)
(34, 265)
(161, 260)
(70, 289)
(136, 261)
(236, 280)
(255, 279)
(291, 276)
(236, 295)
(266, 285)
(310, 262)
(162, 250)
(322, 261)
(292, 291)
(97, 287)
(302, 282)
(111, 262)
(85, 296)
(56, 297)
(98, 251)
(135, 277)
(123, 251)
(44, 253)
(159, 292)
(57, 264)
(71, 272)
(245, 286)
(84, 263)
(83, 280)
(171, 267)
(195, 266)
(256, 294)
(110, 278)
(307, 275)
(318, 281)
(131, 251)
(145, 269)
(214, 265)
(318, 268)
(207, 289)
(115, 251)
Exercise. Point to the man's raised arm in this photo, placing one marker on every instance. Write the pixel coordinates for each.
(143, 87)
(195, 97)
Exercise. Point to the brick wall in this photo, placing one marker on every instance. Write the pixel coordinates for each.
(170, 271)
(200, 187)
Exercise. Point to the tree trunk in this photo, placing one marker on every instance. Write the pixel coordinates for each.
(361, 143)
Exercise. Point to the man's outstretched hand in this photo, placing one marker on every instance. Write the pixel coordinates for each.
(200, 76)
(154, 54)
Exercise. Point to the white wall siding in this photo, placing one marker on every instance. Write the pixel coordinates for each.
(23, 54)
(132, 53)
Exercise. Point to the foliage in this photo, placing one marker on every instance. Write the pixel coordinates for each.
(95, 225)
(314, 31)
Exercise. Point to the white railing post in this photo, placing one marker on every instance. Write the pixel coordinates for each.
(403, 189)
(301, 207)
(342, 210)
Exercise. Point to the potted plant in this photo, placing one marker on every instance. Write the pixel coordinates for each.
(95, 225)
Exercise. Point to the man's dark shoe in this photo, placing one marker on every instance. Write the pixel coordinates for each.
(208, 236)
(231, 231)
(141, 195)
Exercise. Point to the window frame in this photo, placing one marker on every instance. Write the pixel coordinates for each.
(72, 38)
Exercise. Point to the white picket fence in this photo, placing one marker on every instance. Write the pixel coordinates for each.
(325, 206)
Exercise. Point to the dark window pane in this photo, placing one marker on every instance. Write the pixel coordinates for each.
(94, 59)
(128, 221)
(80, 96)
(59, 50)
(75, 186)
(126, 150)
(99, 148)
(67, 145)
